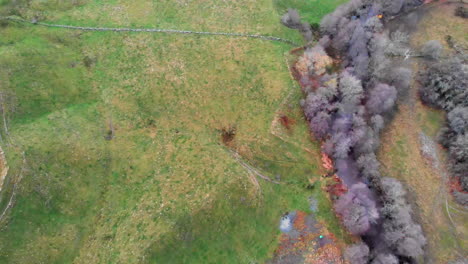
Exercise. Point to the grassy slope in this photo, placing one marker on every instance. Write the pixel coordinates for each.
(310, 10)
(164, 190)
(401, 156)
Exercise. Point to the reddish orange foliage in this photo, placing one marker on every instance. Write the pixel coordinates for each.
(299, 221)
(455, 185)
(337, 188)
(286, 121)
(329, 253)
(327, 163)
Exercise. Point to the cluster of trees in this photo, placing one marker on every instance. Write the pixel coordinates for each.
(359, 210)
(347, 110)
(396, 213)
(445, 86)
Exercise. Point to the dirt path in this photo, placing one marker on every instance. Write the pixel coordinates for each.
(3, 168)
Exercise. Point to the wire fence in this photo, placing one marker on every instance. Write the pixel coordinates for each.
(153, 30)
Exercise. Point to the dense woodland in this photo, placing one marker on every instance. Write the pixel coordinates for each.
(348, 107)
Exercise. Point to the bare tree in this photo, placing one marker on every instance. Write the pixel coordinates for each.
(358, 209)
(351, 89)
(432, 49)
(385, 259)
(381, 99)
(357, 254)
(400, 231)
(292, 20)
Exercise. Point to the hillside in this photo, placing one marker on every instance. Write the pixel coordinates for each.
(115, 140)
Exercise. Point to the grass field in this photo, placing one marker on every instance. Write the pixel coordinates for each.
(401, 155)
(311, 10)
(165, 189)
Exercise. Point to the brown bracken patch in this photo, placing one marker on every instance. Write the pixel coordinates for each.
(286, 121)
(228, 134)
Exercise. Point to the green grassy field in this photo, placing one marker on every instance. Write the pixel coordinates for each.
(311, 10)
(164, 189)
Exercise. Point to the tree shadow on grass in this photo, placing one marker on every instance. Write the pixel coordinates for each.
(233, 229)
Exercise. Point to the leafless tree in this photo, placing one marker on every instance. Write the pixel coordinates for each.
(432, 49)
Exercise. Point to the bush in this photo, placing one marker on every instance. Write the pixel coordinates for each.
(432, 49)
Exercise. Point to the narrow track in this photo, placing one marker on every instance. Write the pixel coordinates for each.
(152, 30)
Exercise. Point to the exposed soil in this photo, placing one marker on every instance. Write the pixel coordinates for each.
(308, 242)
(3, 168)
